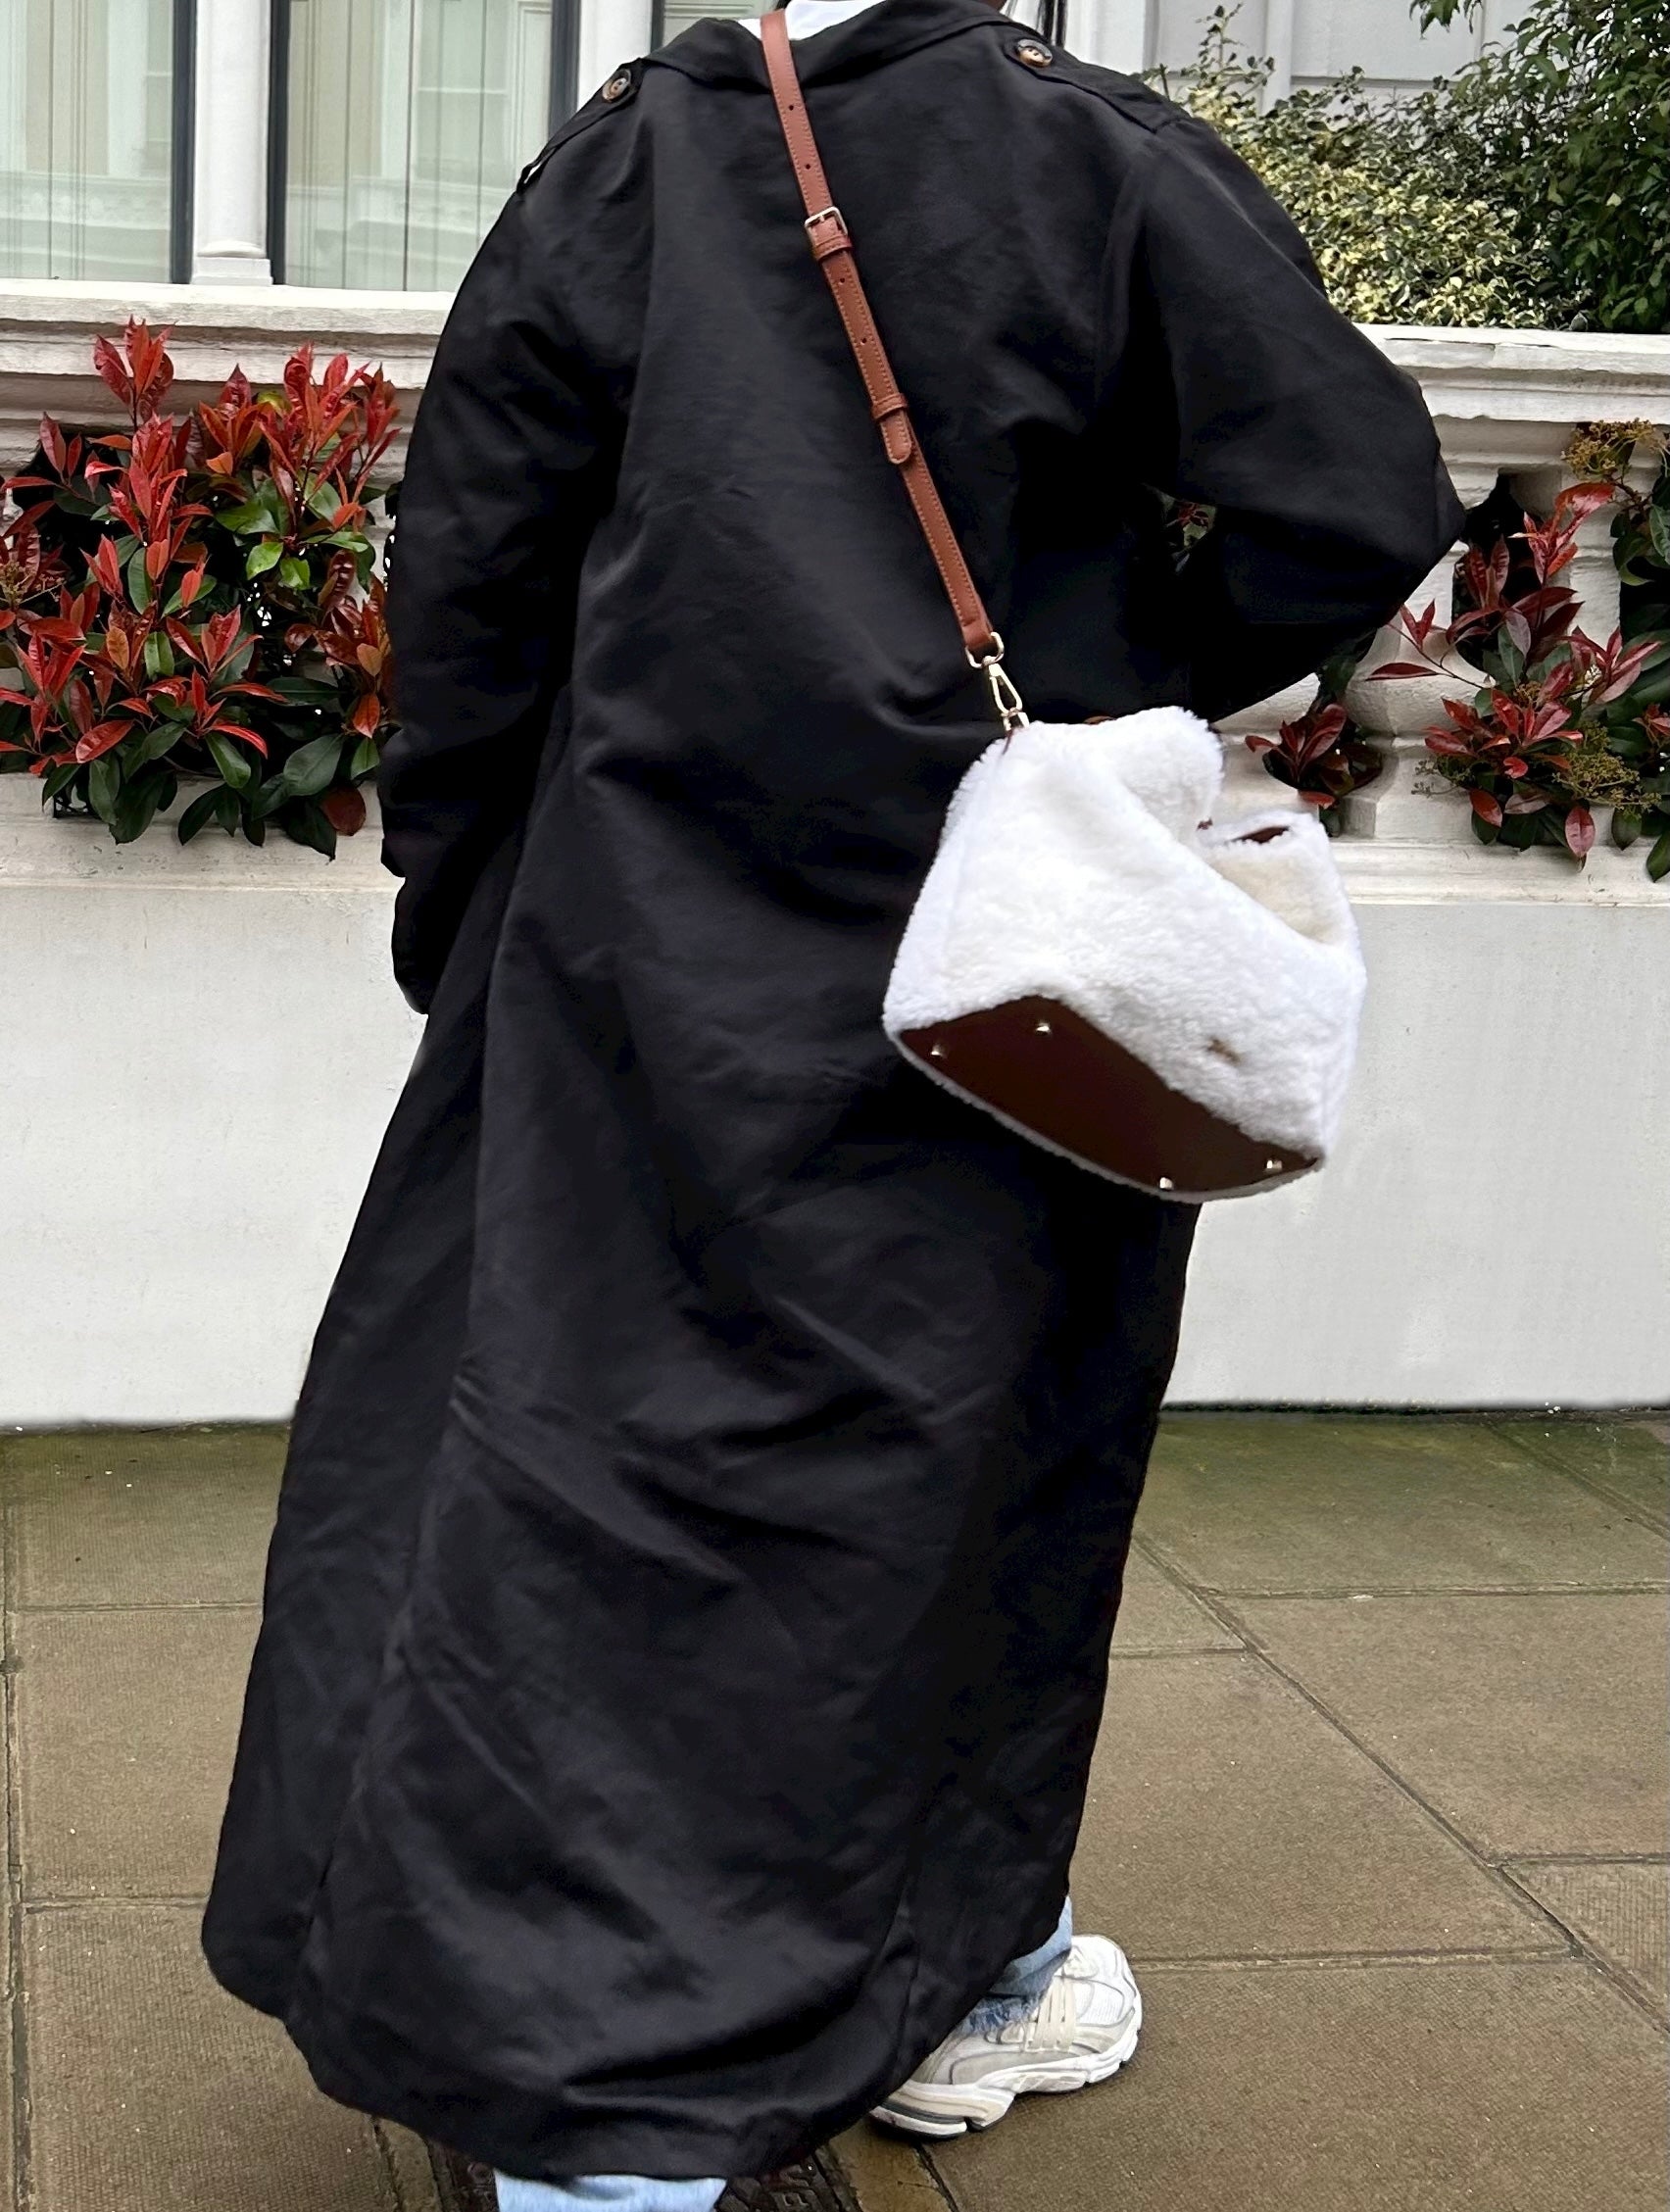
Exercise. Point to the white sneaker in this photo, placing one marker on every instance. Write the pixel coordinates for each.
(1081, 2030)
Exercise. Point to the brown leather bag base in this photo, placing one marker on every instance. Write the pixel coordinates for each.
(1054, 1076)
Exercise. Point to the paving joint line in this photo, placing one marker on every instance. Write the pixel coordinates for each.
(1345, 1591)
(1585, 1858)
(1630, 1506)
(122, 1901)
(1353, 1962)
(21, 2148)
(151, 1606)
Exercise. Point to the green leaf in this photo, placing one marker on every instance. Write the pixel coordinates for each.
(159, 655)
(227, 812)
(253, 514)
(103, 787)
(58, 779)
(1658, 859)
(198, 816)
(1626, 828)
(138, 803)
(235, 768)
(155, 743)
(139, 583)
(313, 767)
(267, 555)
(367, 757)
(268, 799)
(293, 573)
(325, 499)
(1658, 531)
(306, 824)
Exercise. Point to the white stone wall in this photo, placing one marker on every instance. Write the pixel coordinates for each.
(199, 1046)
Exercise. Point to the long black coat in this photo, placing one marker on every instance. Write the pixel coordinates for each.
(688, 1615)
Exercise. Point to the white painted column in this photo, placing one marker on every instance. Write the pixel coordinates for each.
(230, 194)
(1117, 33)
(612, 31)
(1278, 45)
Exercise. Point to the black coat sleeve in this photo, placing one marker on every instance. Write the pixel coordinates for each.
(503, 484)
(1246, 391)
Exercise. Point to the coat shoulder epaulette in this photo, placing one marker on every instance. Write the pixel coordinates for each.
(618, 91)
(1129, 96)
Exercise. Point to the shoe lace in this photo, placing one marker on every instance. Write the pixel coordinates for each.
(1052, 2016)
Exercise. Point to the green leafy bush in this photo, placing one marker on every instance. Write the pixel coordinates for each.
(1531, 189)
(196, 599)
(1569, 118)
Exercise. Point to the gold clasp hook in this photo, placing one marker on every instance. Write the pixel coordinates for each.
(1011, 707)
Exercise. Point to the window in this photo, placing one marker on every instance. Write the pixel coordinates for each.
(94, 137)
(675, 16)
(402, 125)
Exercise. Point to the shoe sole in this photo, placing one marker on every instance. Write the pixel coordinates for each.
(941, 2110)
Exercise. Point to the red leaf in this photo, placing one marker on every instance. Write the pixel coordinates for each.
(1579, 830)
(1485, 808)
(107, 568)
(367, 715)
(1578, 501)
(113, 370)
(100, 738)
(1400, 668)
(237, 729)
(344, 810)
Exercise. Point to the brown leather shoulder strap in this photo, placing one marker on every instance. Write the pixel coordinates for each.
(832, 246)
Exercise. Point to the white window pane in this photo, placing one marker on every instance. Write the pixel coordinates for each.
(409, 121)
(85, 133)
(679, 14)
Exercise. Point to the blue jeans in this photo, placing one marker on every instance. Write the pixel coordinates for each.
(1020, 1984)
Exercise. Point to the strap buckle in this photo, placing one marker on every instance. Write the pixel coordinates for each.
(1011, 707)
(824, 243)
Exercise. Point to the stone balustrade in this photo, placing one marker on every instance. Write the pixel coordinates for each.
(201, 1043)
(1506, 402)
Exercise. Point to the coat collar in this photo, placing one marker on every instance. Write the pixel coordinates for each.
(724, 53)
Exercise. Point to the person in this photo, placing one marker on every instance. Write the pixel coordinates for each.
(688, 1613)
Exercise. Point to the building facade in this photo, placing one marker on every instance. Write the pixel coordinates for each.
(366, 145)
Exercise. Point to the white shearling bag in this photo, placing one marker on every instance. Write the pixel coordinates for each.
(1168, 1001)
(1168, 1004)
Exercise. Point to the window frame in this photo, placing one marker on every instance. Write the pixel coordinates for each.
(182, 147)
(564, 99)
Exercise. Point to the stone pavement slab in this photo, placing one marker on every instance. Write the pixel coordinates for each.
(153, 2092)
(1227, 1819)
(1259, 1503)
(1628, 1460)
(1156, 1615)
(1619, 1910)
(1507, 2063)
(1536, 1724)
(1377, 2088)
(125, 1723)
(143, 1517)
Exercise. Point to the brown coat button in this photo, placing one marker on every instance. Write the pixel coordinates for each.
(617, 87)
(1033, 54)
